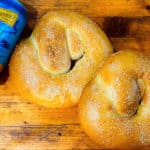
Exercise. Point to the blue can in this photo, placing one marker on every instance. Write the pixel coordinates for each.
(13, 18)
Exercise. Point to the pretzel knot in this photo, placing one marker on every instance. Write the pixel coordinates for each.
(60, 57)
(115, 106)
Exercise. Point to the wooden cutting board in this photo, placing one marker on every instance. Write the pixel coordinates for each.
(26, 126)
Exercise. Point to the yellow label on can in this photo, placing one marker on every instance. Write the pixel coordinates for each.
(8, 17)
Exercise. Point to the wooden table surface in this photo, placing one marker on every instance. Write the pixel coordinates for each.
(26, 126)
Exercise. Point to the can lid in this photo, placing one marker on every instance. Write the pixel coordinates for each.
(19, 6)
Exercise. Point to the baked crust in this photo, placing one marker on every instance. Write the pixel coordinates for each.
(114, 109)
(40, 68)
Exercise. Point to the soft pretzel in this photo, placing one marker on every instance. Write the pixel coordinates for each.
(56, 62)
(115, 106)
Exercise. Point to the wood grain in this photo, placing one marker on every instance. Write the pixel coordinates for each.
(28, 126)
(24, 112)
(64, 136)
(94, 8)
(24, 125)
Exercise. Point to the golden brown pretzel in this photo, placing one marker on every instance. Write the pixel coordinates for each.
(115, 106)
(40, 68)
